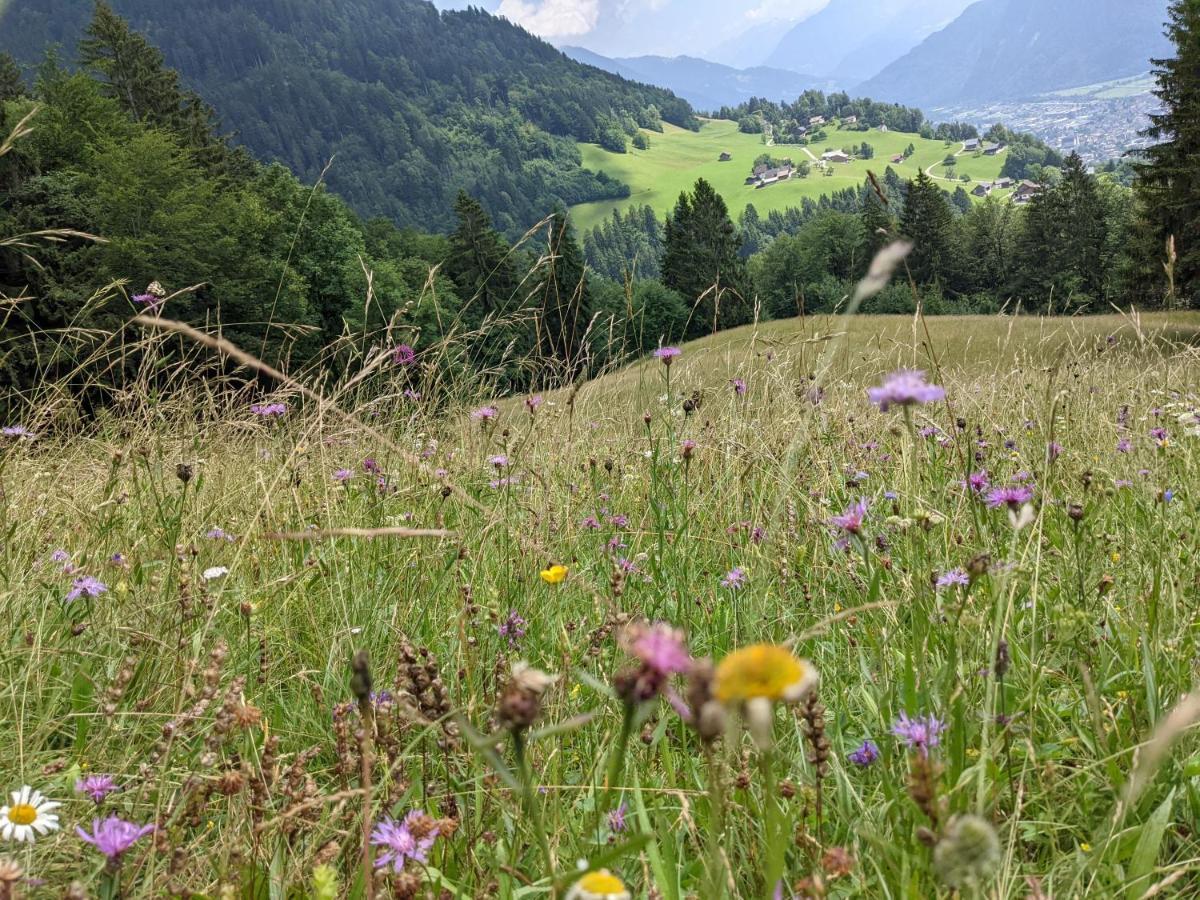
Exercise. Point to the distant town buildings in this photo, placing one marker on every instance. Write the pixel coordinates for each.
(835, 156)
(765, 176)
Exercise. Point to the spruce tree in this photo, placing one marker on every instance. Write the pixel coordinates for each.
(702, 259)
(12, 85)
(929, 223)
(480, 262)
(564, 299)
(1168, 183)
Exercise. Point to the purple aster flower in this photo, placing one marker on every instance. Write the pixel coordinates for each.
(616, 818)
(667, 354)
(342, 475)
(404, 355)
(954, 576)
(1013, 496)
(739, 386)
(96, 786)
(485, 414)
(905, 388)
(851, 521)
(919, 734)
(113, 836)
(865, 755)
(399, 842)
(734, 579)
(269, 410)
(85, 586)
(512, 628)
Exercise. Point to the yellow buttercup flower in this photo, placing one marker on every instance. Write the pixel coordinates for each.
(599, 885)
(765, 671)
(554, 575)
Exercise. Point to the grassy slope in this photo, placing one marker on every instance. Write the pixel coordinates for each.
(1092, 670)
(678, 157)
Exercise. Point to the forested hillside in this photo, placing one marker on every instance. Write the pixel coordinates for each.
(412, 105)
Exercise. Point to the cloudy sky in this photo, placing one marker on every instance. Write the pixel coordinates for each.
(633, 27)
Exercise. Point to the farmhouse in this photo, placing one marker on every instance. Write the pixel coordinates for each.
(898, 158)
(1002, 184)
(982, 189)
(835, 156)
(850, 120)
(1026, 191)
(816, 120)
(725, 157)
(765, 176)
(993, 149)
(971, 144)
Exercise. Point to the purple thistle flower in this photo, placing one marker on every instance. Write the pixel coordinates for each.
(1159, 434)
(616, 818)
(865, 755)
(533, 403)
(85, 586)
(342, 475)
(400, 844)
(371, 467)
(591, 523)
(659, 647)
(485, 414)
(954, 576)
(269, 410)
(16, 431)
(513, 628)
(404, 355)
(921, 733)
(96, 786)
(851, 521)
(667, 354)
(739, 386)
(619, 520)
(150, 301)
(905, 388)
(1013, 496)
(499, 460)
(113, 836)
(735, 579)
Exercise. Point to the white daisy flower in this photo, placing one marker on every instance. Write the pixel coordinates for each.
(28, 813)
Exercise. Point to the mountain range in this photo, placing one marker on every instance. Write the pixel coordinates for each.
(400, 105)
(706, 85)
(1021, 49)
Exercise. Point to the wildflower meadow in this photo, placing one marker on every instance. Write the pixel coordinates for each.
(831, 607)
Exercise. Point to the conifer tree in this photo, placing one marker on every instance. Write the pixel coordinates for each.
(1168, 185)
(702, 258)
(929, 223)
(12, 85)
(480, 262)
(878, 225)
(564, 298)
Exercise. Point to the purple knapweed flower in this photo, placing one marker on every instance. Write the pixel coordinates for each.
(512, 628)
(269, 410)
(616, 818)
(659, 647)
(907, 387)
(219, 534)
(851, 521)
(16, 431)
(371, 467)
(735, 579)
(1012, 496)
(866, 754)
(1053, 450)
(687, 448)
(591, 523)
(96, 786)
(953, 577)
(485, 414)
(404, 355)
(113, 836)
(667, 354)
(400, 844)
(739, 386)
(499, 460)
(1124, 445)
(85, 586)
(921, 733)
(341, 476)
(150, 301)
(533, 403)
(411, 395)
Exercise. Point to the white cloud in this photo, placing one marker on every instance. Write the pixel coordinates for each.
(552, 18)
